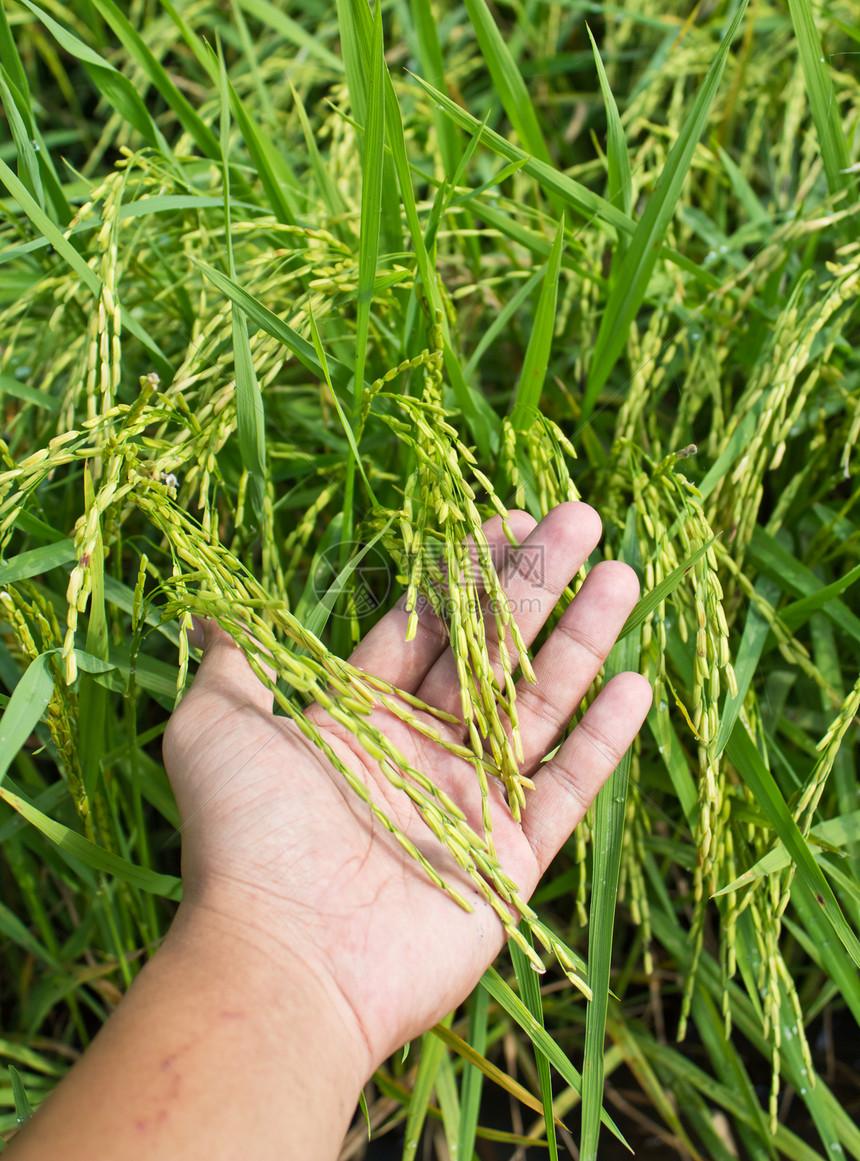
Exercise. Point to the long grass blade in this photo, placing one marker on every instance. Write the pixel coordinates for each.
(11, 59)
(276, 327)
(24, 710)
(326, 184)
(540, 1038)
(507, 81)
(822, 98)
(778, 563)
(28, 165)
(92, 703)
(187, 116)
(114, 86)
(371, 199)
(433, 66)
(570, 192)
(36, 561)
(23, 1109)
(810, 879)
(81, 850)
(250, 411)
(63, 247)
(620, 186)
(834, 833)
(490, 1071)
(647, 604)
(635, 272)
(607, 841)
(273, 17)
(533, 374)
(471, 1084)
(432, 1051)
(752, 643)
(530, 993)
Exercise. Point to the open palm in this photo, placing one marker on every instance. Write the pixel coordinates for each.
(290, 860)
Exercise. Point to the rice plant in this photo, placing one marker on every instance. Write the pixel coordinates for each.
(293, 297)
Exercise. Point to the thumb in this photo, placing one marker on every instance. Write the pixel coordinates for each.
(224, 671)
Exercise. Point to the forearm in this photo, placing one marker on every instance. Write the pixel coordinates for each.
(212, 1054)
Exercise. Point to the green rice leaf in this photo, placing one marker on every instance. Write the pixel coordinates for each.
(810, 879)
(314, 620)
(743, 191)
(371, 199)
(675, 760)
(777, 562)
(250, 412)
(46, 227)
(90, 854)
(799, 612)
(530, 992)
(202, 51)
(36, 561)
(292, 31)
(10, 386)
(620, 186)
(746, 662)
(485, 1067)
(187, 116)
(634, 275)
(263, 317)
(579, 197)
(822, 98)
(11, 60)
(507, 82)
(357, 13)
(501, 321)
(326, 184)
(24, 711)
(433, 66)
(607, 842)
(112, 84)
(92, 712)
(723, 1095)
(484, 423)
(517, 1010)
(533, 374)
(347, 428)
(12, 928)
(23, 1109)
(647, 604)
(28, 165)
(472, 1081)
(432, 1051)
(835, 832)
(63, 247)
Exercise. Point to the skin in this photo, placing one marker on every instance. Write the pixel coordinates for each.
(308, 946)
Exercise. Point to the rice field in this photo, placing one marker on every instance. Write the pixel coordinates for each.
(293, 297)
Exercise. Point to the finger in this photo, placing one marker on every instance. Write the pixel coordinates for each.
(533, 578)
(225, 672)
(385, 652)
(567, 785)
(571, 658)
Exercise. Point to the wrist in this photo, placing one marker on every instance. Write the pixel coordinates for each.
(218, 1042)
(266, 977)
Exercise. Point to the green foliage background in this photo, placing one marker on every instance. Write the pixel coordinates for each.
(279, 282)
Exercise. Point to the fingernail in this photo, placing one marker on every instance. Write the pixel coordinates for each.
(195, 634)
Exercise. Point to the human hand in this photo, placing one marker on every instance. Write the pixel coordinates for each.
(280, 854)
